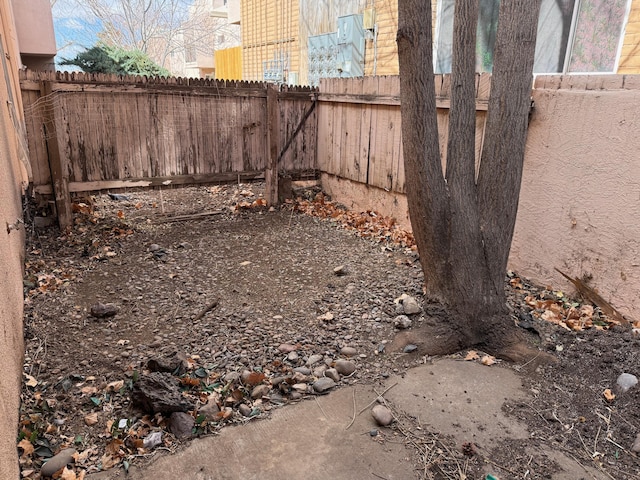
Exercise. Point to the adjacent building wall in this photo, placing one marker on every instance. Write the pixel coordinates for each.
(630, 55)
(12, 174)
(36, 39)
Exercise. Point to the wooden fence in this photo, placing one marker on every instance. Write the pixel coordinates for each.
(93, 132)
(359, 127)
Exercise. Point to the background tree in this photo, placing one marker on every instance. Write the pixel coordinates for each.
(105, 59)
(463, 222)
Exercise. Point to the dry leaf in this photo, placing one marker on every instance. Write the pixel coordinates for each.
(68, 474)
(89, 390)
(472, 355)
(91, 419)
(27, 447)
(609, 395)
(254, 378)
(488, 360)
(107, 461)
(120, 214)
(31, 381)
(115, 386)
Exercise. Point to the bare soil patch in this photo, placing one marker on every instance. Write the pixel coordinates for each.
(244, 296)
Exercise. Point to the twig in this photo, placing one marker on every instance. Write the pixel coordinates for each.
(379, 476)
(206, 309)
(320, 407)
(354, 409)
(193, 216)
(370, 403)
(520, 367)
(500, 466)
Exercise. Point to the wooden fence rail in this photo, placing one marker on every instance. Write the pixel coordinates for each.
(94, 132)
(359, 127)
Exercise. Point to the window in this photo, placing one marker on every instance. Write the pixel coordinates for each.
(573, 35)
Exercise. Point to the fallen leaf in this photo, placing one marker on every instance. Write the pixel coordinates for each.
(31, 381)
(255, 378)
(27, 448)
(115, 386)
(120, 214)
(68, 474)
(472, 355)
(609, 395)
(488, 360)
(89, 390)
(91, 419)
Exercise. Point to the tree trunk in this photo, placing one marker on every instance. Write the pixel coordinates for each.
(463, 226)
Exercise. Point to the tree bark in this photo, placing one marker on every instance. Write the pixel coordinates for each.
(463, 226)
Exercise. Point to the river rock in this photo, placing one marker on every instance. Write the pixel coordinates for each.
(210, 410)
(181, 424)
(402, 322)
(382, 415)
(286, 348)
(323, 385)
(176, 363)
(103, 310)
(245, 410)
(159, 393)
(58, 461)
(636, 444)
(313, 359)
(626, 382)
(411, 306)
(348, 351)
(260, 391)
(333, 374)
(345, 367)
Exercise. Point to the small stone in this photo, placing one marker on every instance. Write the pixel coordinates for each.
(319, 371)
(159, 393)
(345, 367)
(176, 363)
(402, 322)
(300, 387)
(636, 444)
(286, 348)
(333, 374)
(154, 247)
(58, 461)
(348, 351)
(295, 396)
(181, 424)
(323, 385)
(382, 415)
(313, 359)
(340, 270)
(152, 440)
(302, 370)
(245, 410)
(232, 377)
(410, 348)
(260, 391)
(210, 410)
(411, 306)
(626, 381)
(373, 433)
(103, 310)
(293, 356)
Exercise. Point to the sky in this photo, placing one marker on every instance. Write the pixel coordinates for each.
(75, 29)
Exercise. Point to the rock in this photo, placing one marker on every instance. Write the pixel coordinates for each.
(232, 377)
(58, 461)
(245, 410)
(313, 359)
(302, 370)
(159, 393)
(118, 196)
(181, 424)
(410, 348)
(319, 371)
(411, 306)
(382, 415)
(152, 440)
(103, 310)
(286, 348)
(293, 356)
(402, 322)
(345, 367)
(323, 385)
(626, 381)
(333, 374)
(154, 247)
(636, 444)
(175, 363)
(210, 410)
(340, 270)
(260, 391)
(348, 351)
(300, 387)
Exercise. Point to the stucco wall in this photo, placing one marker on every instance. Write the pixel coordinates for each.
(12, 174)
(579, 205)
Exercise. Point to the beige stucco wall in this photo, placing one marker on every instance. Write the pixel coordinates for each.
(34, 24)
(579, 206)
(12, 174)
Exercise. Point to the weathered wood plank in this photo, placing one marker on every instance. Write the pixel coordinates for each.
(273, 140)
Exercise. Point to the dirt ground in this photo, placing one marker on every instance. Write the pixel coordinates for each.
(246, 297)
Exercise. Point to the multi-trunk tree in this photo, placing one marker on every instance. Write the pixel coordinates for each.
(463, 216)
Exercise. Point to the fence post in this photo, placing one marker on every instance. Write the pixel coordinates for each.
(59, 181)
(273, 141)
